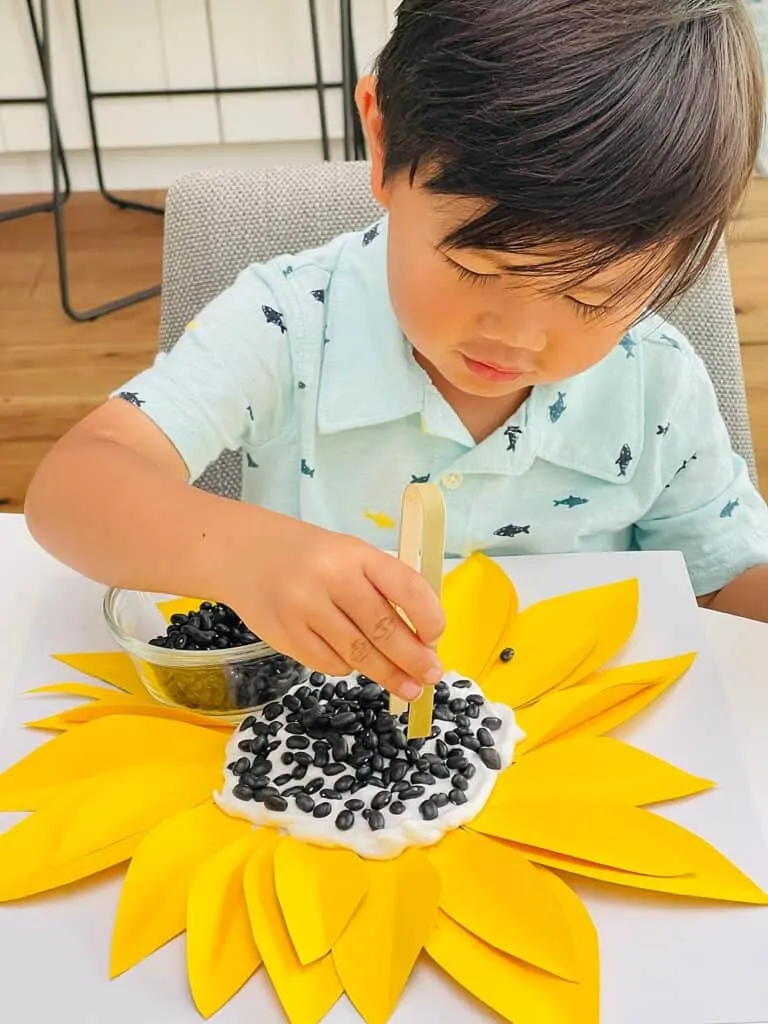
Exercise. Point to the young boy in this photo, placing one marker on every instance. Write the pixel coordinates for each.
(552, 170)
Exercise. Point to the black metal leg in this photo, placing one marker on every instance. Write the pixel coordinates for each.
(58, 212)
(320, 86)
(123, 204)
(47, 205)
(354, 139)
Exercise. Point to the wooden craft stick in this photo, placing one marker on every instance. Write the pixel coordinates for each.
(422, 546)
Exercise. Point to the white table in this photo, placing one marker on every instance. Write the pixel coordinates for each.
(739, 647)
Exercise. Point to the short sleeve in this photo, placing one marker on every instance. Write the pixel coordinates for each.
(228, 379)
(709, 509)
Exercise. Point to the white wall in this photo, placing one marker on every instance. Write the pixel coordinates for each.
(156, 44)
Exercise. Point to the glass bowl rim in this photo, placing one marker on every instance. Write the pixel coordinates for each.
(169, 656)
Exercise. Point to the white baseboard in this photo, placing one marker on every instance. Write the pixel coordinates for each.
(127, 169)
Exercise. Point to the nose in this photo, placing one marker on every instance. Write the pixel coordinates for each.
(516, 330)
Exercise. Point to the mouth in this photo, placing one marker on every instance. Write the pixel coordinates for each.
(491, 371)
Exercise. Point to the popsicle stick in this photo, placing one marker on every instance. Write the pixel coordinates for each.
(422, 546)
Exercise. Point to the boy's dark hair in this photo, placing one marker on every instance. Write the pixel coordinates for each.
(618, 126)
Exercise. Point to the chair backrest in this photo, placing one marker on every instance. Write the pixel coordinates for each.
(217, 223)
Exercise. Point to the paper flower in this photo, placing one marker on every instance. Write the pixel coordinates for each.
(129, 780)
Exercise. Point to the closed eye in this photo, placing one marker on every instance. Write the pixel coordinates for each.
(467, 275)
(586, 311)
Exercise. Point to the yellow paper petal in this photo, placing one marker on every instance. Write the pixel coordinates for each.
(319, 890)
(179, 605)
(131, 800)
(92, 692)
(221, 953)
(518, 992)
(390, 928)
(27, 865)
(714, 877)
(598, 832)
(480, 602)
(503, 900)
(102, 746)
(562, 640)
(594, 768)
(92, 712)
(153, 901)
(113, 667)
(594, 707)
(307, 993)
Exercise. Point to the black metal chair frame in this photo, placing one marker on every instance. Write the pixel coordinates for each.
(354, 142)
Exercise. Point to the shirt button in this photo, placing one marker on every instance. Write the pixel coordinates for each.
(452, 481)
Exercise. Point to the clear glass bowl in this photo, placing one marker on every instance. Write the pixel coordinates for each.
(225, 683)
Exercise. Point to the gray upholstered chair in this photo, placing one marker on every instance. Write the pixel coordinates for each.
(216, 223)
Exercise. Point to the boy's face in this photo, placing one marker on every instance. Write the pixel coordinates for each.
(486, 330)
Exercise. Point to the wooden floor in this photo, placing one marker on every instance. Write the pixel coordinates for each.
(53, 371)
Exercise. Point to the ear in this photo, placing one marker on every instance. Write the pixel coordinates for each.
(370, 117)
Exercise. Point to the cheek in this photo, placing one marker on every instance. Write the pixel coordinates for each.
(581, 346)
(426, 297)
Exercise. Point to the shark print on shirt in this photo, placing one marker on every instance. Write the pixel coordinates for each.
(629, 346)
(558, 408)
(513, 435)
(319, 294)
(730, 508)
(132, 398)
(421, 479)
(624, 459)
(371, 235)
(249, 460)
(571, 502)
(512, 531)
(662, 431)
(273, 317)
(306, 469)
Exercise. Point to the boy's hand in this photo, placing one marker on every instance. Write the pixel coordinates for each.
(327, 599)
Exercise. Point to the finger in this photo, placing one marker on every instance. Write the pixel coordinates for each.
(395, 641)
(350, 644)
(409, 590)
(311, 650)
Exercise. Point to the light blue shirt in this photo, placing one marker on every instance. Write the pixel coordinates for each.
(303, 365)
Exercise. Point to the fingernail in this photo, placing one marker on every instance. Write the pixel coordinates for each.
(433, 677)
(410, 690)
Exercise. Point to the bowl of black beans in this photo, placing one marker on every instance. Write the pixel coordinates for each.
(204, 659)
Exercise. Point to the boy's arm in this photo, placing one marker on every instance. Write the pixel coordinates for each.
(747, 595)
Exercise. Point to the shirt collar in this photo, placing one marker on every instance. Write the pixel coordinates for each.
(369, 375)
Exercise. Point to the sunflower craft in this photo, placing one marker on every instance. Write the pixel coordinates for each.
(338, 887)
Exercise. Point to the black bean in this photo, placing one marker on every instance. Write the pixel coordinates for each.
(484, 738)
(398, 787)
(378, 763)
(381, 800)
(274, 728)
(398, 770)
(471, 743)
(295, 728)
(421, 764)
(364, 772)
(353, 693)
(398, 739)
(370, 741)
(463, 722)
(357, 786)
(299, 771)
(261, 767)
(441, 749)
(322, 810)
(272, 747)
(331, 794)
(178, 619)
(457, 705)
(440, 771)
(293, 791)
(354, 805)
(367, 813)
(412, 793)
(440, 799)
(303, 758)
(258, 743)
(476, 698)
(344, 783)
(291, 702)
(377, 782)
(247, 723)
(313, 786)
(387, 750)
(398, 807)
(317, 679)
(321, 757)
(428, 810)
(283, 780)
(452, 738)
(305, 803)
(359, 758)
(384, 722)
(262, 795)
(342, 687)
(468, 770)
(242, 792)
(473, 711)
(455, 758)
(326, 693)
(490, 758)
(340, 748)
(275, 804)
(370, 693)
(376, 821)
(345, 820)
(343, 721)
(254, 781)
(460, 782)
(334, 768)
(462, 684)
(286, 758)
(272, 711)
(423, 778)
(492, 723)
(416, 744)
(457, 796)
(507, 654)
